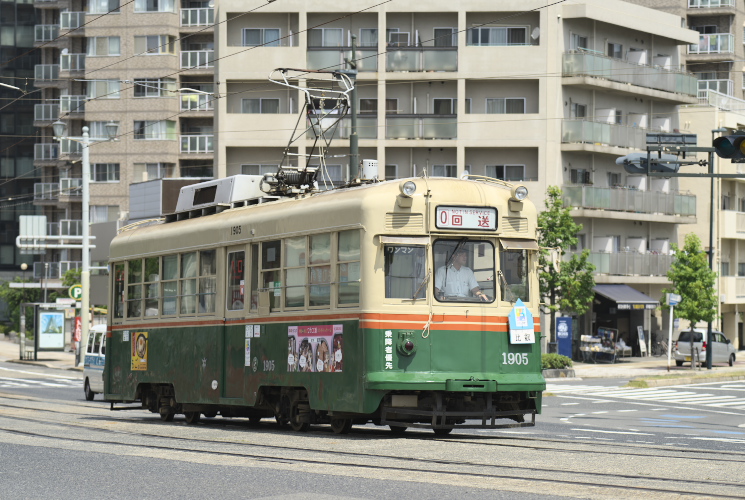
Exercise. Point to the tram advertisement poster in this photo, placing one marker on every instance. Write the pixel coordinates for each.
(51, 330)
(317, 348)
(522, 327)
(139, 351)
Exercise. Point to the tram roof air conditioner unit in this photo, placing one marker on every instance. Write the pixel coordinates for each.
(210, 197)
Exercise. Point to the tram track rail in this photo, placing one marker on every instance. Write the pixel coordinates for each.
(347, 460)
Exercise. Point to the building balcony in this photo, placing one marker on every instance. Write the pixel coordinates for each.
(714, 43)
(45, 113)
(732, 288)
(732, 225)
(595, 65)
(70, 187)
(725, 87)
(197, 17)
(46, 191)
(51, 4)
(54, 270)
(46, 152)
(46, 32)
(710, 4)
(195, 144)
(630, 204)
(595, 134)
(631, 263)
(46, 75)
(421, 127)
(72, 104)
(72, 62)
(328, 58)
(367, 128)
(420, 59)
(197, 59)
(70, 147)
(71, 227)
(72, 21)
(197, 102)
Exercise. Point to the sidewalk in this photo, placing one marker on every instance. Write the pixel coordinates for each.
(10, 351)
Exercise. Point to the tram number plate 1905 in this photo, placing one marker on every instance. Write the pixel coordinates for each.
(522, 337)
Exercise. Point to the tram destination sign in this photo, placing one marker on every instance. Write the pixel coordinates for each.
(478, 218)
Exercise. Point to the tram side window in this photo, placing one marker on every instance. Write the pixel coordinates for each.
(405, 268)
(348, 259)
(236, 280)
(254, 277)
(513, 283)
(188, 283)
(319, 270)
(207, 281)
(271, 262)
(464, 270)
(118, 299)
(134, 288)
(170, 285)
(295, 262)
(152, 276)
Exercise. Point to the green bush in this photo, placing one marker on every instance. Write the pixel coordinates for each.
(555, 362)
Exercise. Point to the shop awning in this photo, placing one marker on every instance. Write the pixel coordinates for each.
(626, 297)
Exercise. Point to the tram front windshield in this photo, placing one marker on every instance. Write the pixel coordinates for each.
(464, 270)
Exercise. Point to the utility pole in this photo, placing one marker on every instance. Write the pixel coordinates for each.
(354, 149)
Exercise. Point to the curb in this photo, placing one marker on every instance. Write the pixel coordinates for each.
(46, 365)
(688, 380)
(564, 373)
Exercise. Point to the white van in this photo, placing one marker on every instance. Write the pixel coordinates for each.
(95, 359)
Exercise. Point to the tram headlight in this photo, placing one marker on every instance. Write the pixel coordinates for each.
(519, 193)
(407, 188)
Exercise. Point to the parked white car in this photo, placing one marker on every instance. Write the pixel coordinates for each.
(95, 360)
(723, 351)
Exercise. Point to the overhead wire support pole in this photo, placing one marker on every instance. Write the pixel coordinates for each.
(709, 351)
(354, 149)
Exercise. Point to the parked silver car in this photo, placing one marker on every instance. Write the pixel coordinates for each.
(723, 351)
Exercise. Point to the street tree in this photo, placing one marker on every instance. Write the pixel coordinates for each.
(566, 284)
(694, 281)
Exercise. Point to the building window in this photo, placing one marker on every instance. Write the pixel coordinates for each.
(506, 172)
(741, 269)
(726, 202)
(444, 170)
(267, 37)
(105, 172)
(154, 87)
(262, 106)
(370, 106)
(103, 6)
(579, 176)
(325, 37)
(155, 45)
(444, 106)
(725, 269)
(98, 130)
(615, 50)
(398, 38)
(155, 130)
(250, 169)
(391, 172)
(505, 105)
(103, 213)
(496, 36)
(614, 179)
(103, 89)
(154, 6)
(580, 245)
(579, 110)
(578, 42)
(446, 37)
(706, 29)
(368, 37)
(103, 46)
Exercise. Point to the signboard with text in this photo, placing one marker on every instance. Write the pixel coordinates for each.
(479, 218)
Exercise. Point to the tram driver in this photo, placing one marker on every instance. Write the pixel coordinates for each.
(455, 279)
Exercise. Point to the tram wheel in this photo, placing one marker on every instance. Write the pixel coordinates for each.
(341, 425)
(166, 414)
(397, 429)
(89, 394)
(211, 414)
(443, 432)
(295, 422)
(192, 417)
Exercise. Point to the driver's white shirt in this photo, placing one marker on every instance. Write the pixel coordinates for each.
(455, 282)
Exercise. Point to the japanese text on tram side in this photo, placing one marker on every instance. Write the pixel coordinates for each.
(388, 349)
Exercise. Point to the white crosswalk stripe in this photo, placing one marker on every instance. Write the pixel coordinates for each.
(652, 394)
(11, 382)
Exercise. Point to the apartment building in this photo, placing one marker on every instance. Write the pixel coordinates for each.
(716, 60)
(146, 65)
(516, 90)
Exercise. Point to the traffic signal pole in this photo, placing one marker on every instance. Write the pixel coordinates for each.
(709, 351)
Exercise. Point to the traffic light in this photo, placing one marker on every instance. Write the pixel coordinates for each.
(636, 163)
(730, 146)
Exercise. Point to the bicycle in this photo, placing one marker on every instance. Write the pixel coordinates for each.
(659, 348)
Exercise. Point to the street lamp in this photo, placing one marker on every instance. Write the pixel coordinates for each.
(112, 128)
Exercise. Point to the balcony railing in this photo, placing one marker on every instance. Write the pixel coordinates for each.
(197, 17)
(631, 263)
(600, 66)
(421, 127)
(72, 103)
(71, 20)
(70, 147)
(715, 43)
(733, 289)
(46, 72)
(197, 102)
(630, 200)
(46, 32)
(710, 4)
(422, 59)
(46, 151)
(197, 59)
(367, 128)
(71, 227)
(46, 112)
(605, 134)
(72, 62)
(725, 87)
(46, 190)
(71, 186)
(54, 270)
(335, 58)
(196, 144)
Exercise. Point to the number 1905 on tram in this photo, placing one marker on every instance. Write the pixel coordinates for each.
(405, 303)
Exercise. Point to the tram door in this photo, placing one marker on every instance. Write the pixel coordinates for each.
(234, 338)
